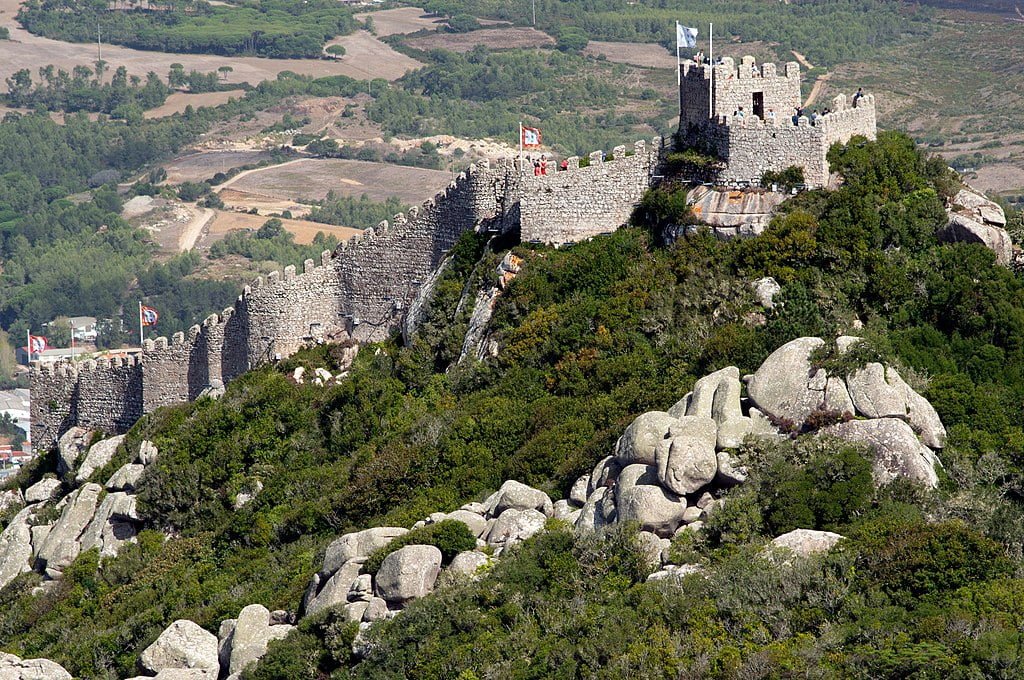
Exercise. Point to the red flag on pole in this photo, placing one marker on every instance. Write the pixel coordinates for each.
(36, 344)
(149, 315)
(531, 137)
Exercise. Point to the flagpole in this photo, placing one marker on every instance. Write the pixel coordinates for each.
(520, 147)
(72, 325)
(28, 344)
(679, 77)
(141, 339)
(711, 60)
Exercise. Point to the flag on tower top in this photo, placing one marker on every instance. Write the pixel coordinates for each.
(530, 137)
(685, 36)
(149, 315)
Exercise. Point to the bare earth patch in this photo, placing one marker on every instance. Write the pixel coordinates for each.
(494, 38)
(638, 54)
(196, 167)
(401, 21)
(179, 101)
(303, 230)
(312, 178)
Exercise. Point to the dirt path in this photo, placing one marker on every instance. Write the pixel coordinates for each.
(244, 173)
(194, 229)
(803, 60)
(819, 85)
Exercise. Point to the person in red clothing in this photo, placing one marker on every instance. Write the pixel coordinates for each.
(543, 164)
(564, 165)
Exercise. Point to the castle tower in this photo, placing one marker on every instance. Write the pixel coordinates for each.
(745, 116)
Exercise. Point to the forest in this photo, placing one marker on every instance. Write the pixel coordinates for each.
(57, 90)
(268, 28)
(826, 32)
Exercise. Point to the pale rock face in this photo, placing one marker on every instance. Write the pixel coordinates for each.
(43, 490)
(562, 509)
(606, 469)
(785, 385)
(578, 493)
(676, 572)
(361, 588)
(989, 211)
(634, 474)
(880, 392)
(703, 396)
(61, 546)
(111, 526)
(476, 524)
(655, 509)
(251, 636)
(99, 454)
(335, 591)
(469, 564)
(730, 472)
(16, 668)
(148, 452)
(354, 610)
(358, 544)
(376, 610)
(513, 526)
(765, 291)
(806, 542)
(591, 518)
(973, 229)
(649, 546)
(70, 447)
(639, 443)
(126, 478)
(13, 497)
(515, 495)
(180, 674)
(686, 461)
(410, 572)
(16, 546)
(183, 644)
(678, 410)
(898, 452)
(224, 636)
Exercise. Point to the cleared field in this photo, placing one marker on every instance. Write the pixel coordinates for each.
(494, 38)
(196, 167)
(402, 20)
(312, 178)
(637, 54)
(302, 230)
(177, 102)
(366, 57)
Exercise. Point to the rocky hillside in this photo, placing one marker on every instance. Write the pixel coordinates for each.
(791, 455)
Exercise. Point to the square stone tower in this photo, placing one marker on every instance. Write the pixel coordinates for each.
(756, 88)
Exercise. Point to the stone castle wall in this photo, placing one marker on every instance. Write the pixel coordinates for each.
(734, 86)
(362, 290)
(580, 203)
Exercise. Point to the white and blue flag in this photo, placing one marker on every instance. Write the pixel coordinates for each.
(685, 36)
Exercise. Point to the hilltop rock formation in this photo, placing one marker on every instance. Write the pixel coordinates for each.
(182, 645)
(975, 219)
(15, 668)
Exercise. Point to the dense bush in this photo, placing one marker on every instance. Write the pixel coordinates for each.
(449, 536)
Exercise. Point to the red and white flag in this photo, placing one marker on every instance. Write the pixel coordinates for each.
(36, 344)
(530, 137)
(149, 315)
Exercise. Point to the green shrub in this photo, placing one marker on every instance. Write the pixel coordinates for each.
(449, 536)
(787, 180)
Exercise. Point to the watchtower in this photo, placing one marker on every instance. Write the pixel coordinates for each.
(755, 88)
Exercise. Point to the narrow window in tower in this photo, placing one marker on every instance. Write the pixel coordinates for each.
(758, 107)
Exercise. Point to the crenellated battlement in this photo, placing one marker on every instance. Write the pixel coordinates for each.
(361, 290)
(744, 114)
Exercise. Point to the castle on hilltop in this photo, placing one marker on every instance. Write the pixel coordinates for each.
(745, 115)
(376, 284)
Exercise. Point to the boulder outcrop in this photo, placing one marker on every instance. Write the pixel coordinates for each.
(15, 668)
(183, 644)
(408, 573)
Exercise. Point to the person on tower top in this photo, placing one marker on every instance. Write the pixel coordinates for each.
(858, 96)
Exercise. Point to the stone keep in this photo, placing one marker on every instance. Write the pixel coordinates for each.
(710, 96)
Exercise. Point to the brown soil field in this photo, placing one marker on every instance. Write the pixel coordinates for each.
(494, 38)
(196, 167)
(304, 231)
(639, 54)
(178, 101)
(366, 57)
(402, 20)
(312, 178)
(266, 205)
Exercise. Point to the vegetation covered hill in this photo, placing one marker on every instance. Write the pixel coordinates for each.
(928, 584)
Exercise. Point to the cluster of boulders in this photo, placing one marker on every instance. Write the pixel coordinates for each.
(510, 515)
(51, 528)
(975, 219)
(185, 650)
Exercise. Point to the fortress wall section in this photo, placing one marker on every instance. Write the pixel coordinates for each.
(104, 394)
(579, 203)
(735, 86)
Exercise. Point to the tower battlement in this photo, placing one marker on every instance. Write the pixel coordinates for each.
(745, 113)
